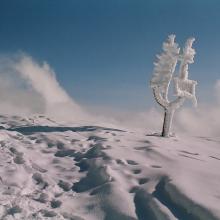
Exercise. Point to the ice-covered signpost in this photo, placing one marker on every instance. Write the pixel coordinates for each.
(163, 74)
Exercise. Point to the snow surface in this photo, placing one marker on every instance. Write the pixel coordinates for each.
(50, 170)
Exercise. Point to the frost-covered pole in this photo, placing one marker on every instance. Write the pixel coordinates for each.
(163, 74)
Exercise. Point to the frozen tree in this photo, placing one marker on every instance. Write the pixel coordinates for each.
(163, 73)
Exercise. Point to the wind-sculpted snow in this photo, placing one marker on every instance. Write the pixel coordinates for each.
(55, 171)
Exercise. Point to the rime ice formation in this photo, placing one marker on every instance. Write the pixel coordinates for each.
(164, 69)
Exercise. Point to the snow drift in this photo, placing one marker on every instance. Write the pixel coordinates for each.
(87, 172)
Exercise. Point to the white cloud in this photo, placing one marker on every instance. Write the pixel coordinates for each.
(42, 78)
(28, 87)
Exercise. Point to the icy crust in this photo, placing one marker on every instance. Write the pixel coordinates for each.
(88, 172)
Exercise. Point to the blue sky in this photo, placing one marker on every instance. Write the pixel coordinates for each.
(103, 50)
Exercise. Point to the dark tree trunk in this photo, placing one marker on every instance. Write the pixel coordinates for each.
(168, 118)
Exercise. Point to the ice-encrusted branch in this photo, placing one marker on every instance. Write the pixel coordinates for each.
(164, 68)
(183, 87)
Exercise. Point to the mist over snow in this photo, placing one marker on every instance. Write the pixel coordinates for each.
(204, 120)
(28, 87)
(217, 91)
(16, 100)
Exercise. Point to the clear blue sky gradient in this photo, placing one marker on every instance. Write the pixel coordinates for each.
(103, 50)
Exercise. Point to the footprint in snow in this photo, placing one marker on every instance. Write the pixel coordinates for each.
(38, 168)
(136, 171)
(121, 162)
(117, 140)
(19, 160)
(14, 210)
(33, 138)
(65, 153)
(134, 189)
(42, 198)
(132, 162)
(156, 166)
(15, 151)
(187, 152)
(48, 213)
(142, 181)
(37, 177)
(18, 156)
(96, 138)
(146, 148)
(64, 185)
(55, 204)
(60, 145)
(215, 157)
(146, 142)
(45, 151)
(186, 156)
(107, 147)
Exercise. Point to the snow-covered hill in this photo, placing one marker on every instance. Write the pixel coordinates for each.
(50, 170)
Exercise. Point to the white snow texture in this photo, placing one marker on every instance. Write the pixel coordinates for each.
(50, 170)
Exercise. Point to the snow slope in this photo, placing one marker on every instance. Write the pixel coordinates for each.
(50, 170)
